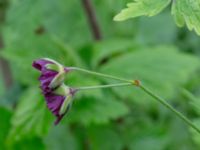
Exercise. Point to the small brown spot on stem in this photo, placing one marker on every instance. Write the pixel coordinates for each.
(137, 82)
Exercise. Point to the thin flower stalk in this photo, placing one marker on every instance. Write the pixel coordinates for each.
(147, 91)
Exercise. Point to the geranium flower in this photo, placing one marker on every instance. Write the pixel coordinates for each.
(59, 101)
(58, 96)
(52, 73)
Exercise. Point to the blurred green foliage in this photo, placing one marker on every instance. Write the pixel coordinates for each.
(164, 57)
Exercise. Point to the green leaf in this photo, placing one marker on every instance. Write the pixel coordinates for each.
(179, 136)
(105, 50)
(31, 117)
(97, 135)
(4, 125)
(93, 106)
(142, 8)
(160, 133)
(138, 131)
(184, 11)
(28, 144)
(98, 110)
(195, 135)
(42, 36)
(194, 101)
(165, 30)
(162, 69)
(39, 20)
(187, 12)
(60, 138)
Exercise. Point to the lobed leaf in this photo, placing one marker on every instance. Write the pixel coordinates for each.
(142, 8)
(31, 117)
(185, 12)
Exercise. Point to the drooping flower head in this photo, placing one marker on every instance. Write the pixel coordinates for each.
(58, 96)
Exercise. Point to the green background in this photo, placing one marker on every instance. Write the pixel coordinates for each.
(154, 50)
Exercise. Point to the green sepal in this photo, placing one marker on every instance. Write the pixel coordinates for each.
(65, 105)
(53, 61)
(62, 90)
(58, 80)
(53, 67)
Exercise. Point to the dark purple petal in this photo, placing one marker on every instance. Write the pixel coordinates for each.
(40, 63)
(46, 75)
(54, 103)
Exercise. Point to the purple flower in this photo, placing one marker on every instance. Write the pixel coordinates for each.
(59, 101)
(58, 96)
(52, 73)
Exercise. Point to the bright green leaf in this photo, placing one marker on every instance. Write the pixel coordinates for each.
(184, 11)
(142, 8)
(187, 12)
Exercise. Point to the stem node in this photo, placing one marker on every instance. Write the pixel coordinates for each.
(137, 83)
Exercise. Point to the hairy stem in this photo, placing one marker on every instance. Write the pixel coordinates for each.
(90, 12)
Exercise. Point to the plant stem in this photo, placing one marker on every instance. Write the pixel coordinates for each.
(142, 87)
(163, 102)
(90, 12)
(101, 74)
(103, 86)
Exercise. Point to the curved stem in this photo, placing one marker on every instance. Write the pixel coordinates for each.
(163, 102)
(103, 86)
(102, 75)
